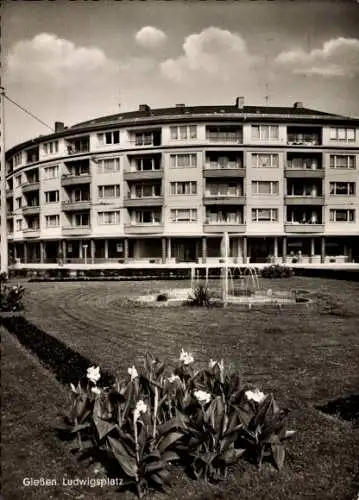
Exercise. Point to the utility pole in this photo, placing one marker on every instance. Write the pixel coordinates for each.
(3, 232)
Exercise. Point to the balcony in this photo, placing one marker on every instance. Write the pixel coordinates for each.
(142, 175)
(31, 232)
(30, 186)
(76, 230)
(302, 228)
(212, 171)
(73, 205)
(150, 201)
(220, 227)
(304, 200)
(224, 200)
(73, 179)
(224, 135)
(30, 209)
(143, 228)
(304, 136)
(304, 173)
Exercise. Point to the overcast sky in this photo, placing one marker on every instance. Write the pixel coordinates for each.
(74, 60)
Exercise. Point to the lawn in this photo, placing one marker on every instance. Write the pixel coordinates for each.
(304, 357)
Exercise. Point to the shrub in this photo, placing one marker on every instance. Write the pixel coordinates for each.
(201, 296)
(11, 297)
(162, 297)
(203, 418)
(277, 271)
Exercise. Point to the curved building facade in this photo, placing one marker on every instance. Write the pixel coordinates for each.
(163, 185)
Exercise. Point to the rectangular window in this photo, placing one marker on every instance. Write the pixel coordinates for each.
(112, 137)
(260, 160)
(146, 190)
(18, 225)
(109, 217)
(342, 161)
(51, 147)
(224, 189)
(265, 187)
(265, 132)
(183, 132)
(52, 196)
(342, 188)
(17, 160)
(18, 202)
(342, 134)
(109, 191)
(183, 215)
(18, 180)
(183, 188)
(183, 160)
(51, 172)
(52, 220)
(145, 217)
(144, 139)
(107, 165)
(340, 215)
(264, 214)
(81, 220)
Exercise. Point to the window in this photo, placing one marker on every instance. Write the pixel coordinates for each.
(107, 165)
(109, 217)
(265, 160)
(224, 189)
(183, 188)
(265, 187)
(146, 217)
(16, 160)
(222, 216)
(110, 191)
(81, 220)
(18, 180)
(183, 215)
(264, 214)
(342, 161)
(52, 196)
(145, 190)
(51, 147)
(183, 132)
(342, 188)
(265, 132)
(52, 220)
(342, 134)
(144, 139)
(112, 137)
(18, 202)
(183, 160)
(142, 164)
(340, 215)
(19, 225)
(51, 172)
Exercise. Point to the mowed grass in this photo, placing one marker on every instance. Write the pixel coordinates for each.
(304, 357)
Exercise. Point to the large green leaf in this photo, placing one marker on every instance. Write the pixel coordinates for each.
(127, 463)
(170, 456)
(169, 440)
(278, 453)
(231, 456)
(103, 427)
(155, 465)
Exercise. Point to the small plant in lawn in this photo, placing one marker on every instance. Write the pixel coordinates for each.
(11, 297)
(150, 419)
(162, 297)
(200, 297)
(277, 271)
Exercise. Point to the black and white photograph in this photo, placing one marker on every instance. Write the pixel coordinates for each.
(179, 249)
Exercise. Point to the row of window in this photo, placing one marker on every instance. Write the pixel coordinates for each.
(184, 215)
(190, 160)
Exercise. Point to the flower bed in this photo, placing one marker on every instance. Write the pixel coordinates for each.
(204, 419)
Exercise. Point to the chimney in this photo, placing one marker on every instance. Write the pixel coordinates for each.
(240, 102)
(298, 105)
(59, 126)
(143, 107)
(180, 105)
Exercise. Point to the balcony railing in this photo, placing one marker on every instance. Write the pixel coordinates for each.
(232, 169)
(144, 228)
(220, 227)
(31, 232)
(301, 227)
(303, 140)
(144, 201)
(76, 230)
(304, 199)
(226, 199)
(31, 209)
(133, 175)
(225, 137)
(30, 186)
(73, 179)
(304, 173)
(71, 205)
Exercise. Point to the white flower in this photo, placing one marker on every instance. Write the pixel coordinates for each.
(140, 408)
(96, 390)
(133, 372)
(93, 373)
(202, 396)
(173, 378)
(255, 395)
(186, 357)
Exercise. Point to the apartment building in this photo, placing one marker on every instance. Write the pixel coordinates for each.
(163, 185)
